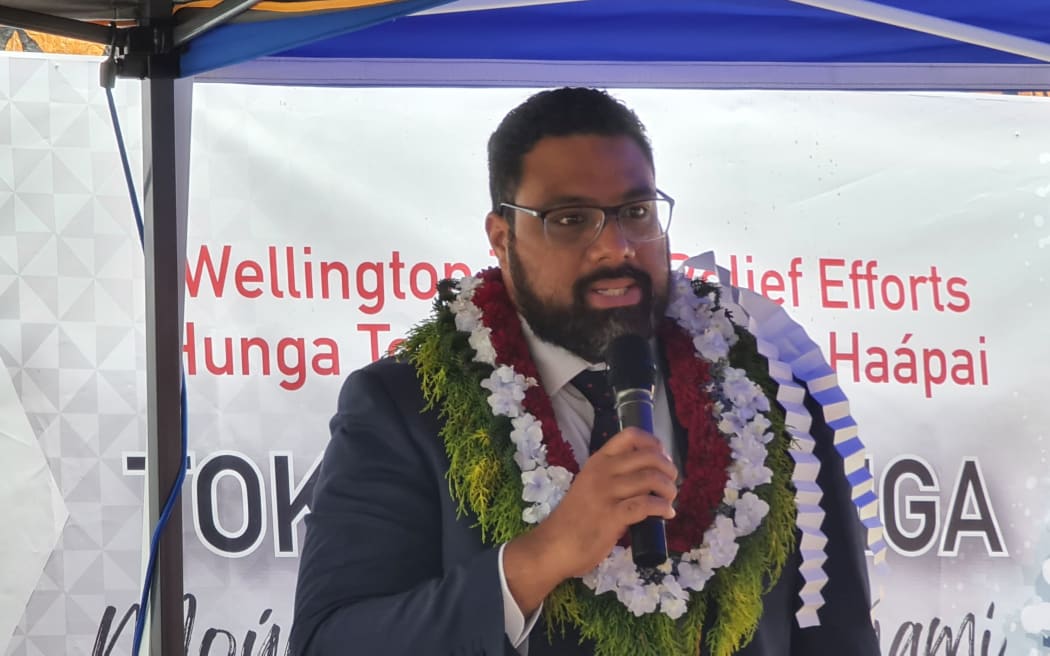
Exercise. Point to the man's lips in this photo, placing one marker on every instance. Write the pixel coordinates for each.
(614, 292)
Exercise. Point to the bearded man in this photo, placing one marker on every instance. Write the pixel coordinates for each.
(474, 498)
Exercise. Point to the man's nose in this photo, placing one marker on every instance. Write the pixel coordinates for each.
(611, 240)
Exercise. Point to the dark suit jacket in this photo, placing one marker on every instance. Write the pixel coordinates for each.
(388, 568)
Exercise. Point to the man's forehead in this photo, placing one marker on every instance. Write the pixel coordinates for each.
(587, 152)
(581, 167)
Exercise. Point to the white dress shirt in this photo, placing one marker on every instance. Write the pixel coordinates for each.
(557, 367)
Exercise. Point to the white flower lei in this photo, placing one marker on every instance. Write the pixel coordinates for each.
(739, 412)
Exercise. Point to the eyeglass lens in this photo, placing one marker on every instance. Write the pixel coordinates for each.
(642, 221)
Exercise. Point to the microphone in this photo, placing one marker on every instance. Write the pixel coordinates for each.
(632, 376)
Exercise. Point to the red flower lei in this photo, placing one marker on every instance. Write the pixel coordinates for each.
(708, 453)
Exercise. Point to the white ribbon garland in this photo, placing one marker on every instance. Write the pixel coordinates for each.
(792, 354)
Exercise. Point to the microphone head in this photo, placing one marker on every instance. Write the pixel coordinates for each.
(630, 362)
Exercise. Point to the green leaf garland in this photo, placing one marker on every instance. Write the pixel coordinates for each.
(486, 482)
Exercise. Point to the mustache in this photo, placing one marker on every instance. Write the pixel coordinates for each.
(643, 279)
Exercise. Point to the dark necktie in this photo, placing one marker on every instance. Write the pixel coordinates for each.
(595, 388)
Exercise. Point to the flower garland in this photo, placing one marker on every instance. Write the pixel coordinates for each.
(722, 544)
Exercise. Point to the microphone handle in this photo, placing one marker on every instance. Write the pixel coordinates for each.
(634, 407)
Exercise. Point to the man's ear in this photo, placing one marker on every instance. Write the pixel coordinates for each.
(498, 229)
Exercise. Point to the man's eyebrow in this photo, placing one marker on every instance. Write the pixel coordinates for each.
(642, 191)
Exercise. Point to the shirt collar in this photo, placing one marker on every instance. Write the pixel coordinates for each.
(556, 365)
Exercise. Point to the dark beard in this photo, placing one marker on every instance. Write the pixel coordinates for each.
(581, 329)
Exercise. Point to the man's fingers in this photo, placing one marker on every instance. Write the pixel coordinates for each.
(645, 481)
(628, 447)
(630, 439)
(634, 461)
(637, 508)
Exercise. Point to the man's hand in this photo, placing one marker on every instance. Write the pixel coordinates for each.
(627, 480)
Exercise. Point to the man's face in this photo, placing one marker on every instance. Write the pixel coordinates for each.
(582, 297)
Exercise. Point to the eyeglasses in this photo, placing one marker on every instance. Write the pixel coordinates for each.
(639, 220)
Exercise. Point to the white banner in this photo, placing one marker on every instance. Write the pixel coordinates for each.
(906, 231)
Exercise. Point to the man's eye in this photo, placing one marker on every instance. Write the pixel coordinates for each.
(567, 219)
(639, 211)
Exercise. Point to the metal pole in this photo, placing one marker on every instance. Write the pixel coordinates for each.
(166, 130)
(203, 21)
(166, 125)
(68, 27)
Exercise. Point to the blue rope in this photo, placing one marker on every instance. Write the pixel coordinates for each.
(127, 166)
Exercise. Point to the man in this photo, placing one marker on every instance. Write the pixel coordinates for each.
(467, 504)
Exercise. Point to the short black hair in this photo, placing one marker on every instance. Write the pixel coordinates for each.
(555, 113)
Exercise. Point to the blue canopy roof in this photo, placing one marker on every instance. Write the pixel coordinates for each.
(768, 31)
(686, 30)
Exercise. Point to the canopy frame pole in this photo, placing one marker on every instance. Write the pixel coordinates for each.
(166, 112)
(165, 129)
(67, 27)
(205, 20)
(942, 27)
